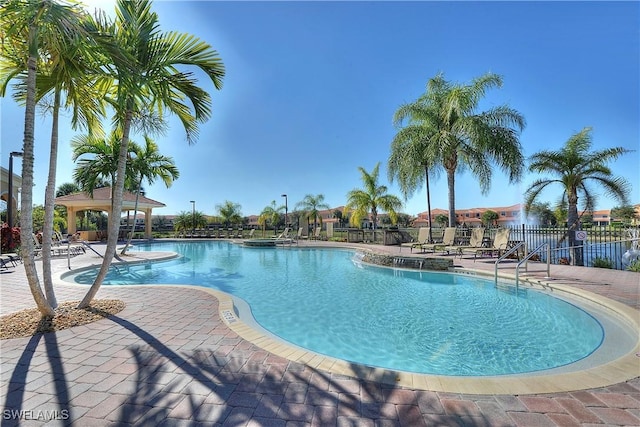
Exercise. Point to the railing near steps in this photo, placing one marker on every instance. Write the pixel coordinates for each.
(514, 249)
(529, 256)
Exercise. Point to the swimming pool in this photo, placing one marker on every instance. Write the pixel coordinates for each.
(433, 323)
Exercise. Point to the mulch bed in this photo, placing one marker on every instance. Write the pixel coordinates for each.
(30, 322)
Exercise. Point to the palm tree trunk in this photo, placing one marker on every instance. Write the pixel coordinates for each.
(451, 183)
(114, 219)
(26, 204)
(133, 227)
(426, 179)
(573, 221)
(49, 196)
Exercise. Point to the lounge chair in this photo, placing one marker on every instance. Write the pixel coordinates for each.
(448, 239)
(423, 239)
(500, 243)
(299, 235)
(6, 261)
(284, 234)
(475, 242)
(316, 233)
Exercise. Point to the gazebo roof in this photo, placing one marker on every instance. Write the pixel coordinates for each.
(101, 200)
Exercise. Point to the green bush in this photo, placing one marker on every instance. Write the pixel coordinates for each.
(603, 263)
(634, 266)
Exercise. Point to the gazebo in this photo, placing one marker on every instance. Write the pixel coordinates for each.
(101, 201)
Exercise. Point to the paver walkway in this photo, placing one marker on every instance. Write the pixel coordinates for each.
(167, 359)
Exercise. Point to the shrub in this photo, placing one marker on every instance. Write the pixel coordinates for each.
(602, 263)
(15, 238)
(634, 266)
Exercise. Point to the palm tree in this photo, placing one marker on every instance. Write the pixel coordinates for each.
(373, 196)
(64, 74)
(229, 212)
(149, 164)
(33, 31)
(271, 214)
(311, 206)
(144, 77)
(409, 160)
(445, 131)
(574, 167)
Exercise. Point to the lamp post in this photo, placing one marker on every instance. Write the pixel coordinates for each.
(286, 210)
(193, 216)
(10, 197)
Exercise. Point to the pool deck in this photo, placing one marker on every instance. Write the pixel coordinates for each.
(170, 358)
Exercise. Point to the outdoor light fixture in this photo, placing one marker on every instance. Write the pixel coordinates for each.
(286, 210)
(193, 215)
(10, 197)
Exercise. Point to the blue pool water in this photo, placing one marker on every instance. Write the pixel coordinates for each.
(434, 323)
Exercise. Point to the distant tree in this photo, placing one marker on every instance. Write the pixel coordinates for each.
(625, 214)
(489, 218)
(337, 214)
(311, 206)
(586, 220)
(574, 167)
(403, 219)
(160, 222)
(271, 214)
(67, 188)
(229, 212)
(442, 220)
(541, 214)
(561, 214)
(363, 202)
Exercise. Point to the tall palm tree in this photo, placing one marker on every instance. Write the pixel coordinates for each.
(311, 206)
(575, 167)
(230, 213)
(32, 31)
(409, 161)
(144, 77)
(362, 202)
(149, 164)
(454, 136)
(67, 73)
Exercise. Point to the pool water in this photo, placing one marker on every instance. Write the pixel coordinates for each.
(432, 323)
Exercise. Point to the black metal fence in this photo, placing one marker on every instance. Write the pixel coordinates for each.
(603, 246)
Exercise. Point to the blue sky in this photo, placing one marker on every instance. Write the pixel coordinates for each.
(311, 89)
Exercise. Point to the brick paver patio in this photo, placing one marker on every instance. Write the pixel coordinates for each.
(168, 359)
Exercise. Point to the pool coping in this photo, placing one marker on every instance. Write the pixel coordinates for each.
(616, 371)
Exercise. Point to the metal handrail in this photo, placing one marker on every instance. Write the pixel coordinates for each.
(529, 255)
(506, 254)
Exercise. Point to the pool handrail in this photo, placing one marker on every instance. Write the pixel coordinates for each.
(529, 255)
(504, 255)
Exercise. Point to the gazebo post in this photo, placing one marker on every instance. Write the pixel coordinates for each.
(71, 220)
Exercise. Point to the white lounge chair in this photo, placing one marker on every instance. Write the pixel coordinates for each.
(500, 244)
(475, 242)
(423, 239)
(448, 239)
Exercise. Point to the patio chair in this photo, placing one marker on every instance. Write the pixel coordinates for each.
(316, 233)
(423, 239)
(6, 262)
(500, 243)
(448, 239)
(284, 234)
(475, 242)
